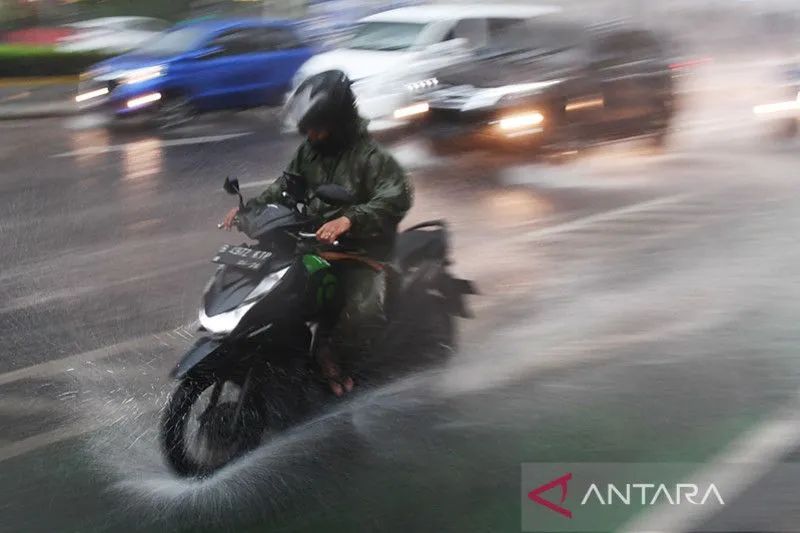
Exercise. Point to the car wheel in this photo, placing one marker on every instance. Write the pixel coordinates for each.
(174, 111)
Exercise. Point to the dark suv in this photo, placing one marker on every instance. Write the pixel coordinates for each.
(555, 82)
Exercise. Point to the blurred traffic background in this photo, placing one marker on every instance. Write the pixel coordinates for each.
(620, 177)
(48, 47)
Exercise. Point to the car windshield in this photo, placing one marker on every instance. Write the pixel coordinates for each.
(384, 36)
(172, 42)
(534, 39)
(514, 37)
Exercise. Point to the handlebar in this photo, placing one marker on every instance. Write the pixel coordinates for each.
(300, 234)
(235, 224)
(306, 235)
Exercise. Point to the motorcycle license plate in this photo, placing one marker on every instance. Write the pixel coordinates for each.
(242, 257)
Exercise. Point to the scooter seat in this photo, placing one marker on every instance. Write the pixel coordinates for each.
(426, 240)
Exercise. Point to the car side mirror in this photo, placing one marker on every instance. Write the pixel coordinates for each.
(334, 195)
(231, 186)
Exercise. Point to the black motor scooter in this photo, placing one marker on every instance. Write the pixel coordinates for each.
(253, 371)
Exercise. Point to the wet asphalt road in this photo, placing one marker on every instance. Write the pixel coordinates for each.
(637, 306)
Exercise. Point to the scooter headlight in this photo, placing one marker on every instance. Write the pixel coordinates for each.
(224, 323)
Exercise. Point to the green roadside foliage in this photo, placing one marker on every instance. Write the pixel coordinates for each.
(20, 61)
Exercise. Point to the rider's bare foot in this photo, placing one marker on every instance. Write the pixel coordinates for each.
(347, 383)
(330, 370)
(340, 387)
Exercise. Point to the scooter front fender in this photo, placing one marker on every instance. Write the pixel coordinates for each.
(201, 350)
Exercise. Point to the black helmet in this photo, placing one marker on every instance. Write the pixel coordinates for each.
(323, 101)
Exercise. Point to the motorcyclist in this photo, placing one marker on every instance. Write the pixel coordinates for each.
(339, 150)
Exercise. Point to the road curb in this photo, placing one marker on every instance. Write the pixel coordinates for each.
(39, 81)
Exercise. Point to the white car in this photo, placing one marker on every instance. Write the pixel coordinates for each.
(392, 54)
(111, 34)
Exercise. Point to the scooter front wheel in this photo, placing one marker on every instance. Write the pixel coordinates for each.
(207, 424)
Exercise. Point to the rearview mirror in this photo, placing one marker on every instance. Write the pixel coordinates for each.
(334, 195)
(231, 186)
(296, 186)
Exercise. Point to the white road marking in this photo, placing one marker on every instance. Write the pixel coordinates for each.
(95, 150)
(16, 405)
(759, 448)
(68, 364)
(578, 176)
(17, 96)
(605, 216)
(50, 297)
(21, 447)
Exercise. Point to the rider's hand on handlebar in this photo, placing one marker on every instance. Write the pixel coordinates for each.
(331, 231)
(230, 218)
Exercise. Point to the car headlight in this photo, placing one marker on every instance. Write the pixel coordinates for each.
(521, 121)
(140, 75)
(422, 85)
(790, 106)
(419, 108)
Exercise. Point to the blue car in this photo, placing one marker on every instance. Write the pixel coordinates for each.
(197, 67)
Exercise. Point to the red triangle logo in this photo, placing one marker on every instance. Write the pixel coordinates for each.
(558, 482)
